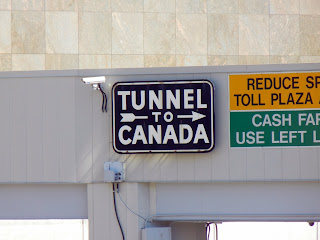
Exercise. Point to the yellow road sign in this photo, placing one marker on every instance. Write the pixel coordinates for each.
(274, 91)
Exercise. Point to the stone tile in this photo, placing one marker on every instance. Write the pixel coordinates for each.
(94, 61)
(284, 6)
(309, 59)
(127, 6)
(283, 59)
(309, 35)
(127, 33)
(61, 61)
(191, 34)
(5, 5)
(222, 60)
(61, 32)
(28, 62)
(94, 33)
(223, 6)
(284, 35)
(253, 60)
(28, 32)
(310, 7)
(159, 6)
(94, 5)
(5, 62)
(61, 5)
(159, 61)
(28, 5)
(187, 60)
(191, 6)
(254, 6)
(5, 36)
(223, 34)
(159, 33)
(254, 34)
(127, 61)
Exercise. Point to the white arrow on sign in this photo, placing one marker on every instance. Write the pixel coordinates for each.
(195, 116)
(130, 117)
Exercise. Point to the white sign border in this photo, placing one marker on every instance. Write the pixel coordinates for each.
(164, 82)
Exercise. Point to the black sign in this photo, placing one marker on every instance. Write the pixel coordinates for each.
(168, 116)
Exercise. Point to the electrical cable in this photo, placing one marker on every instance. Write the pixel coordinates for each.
(129, 208)
(208, 228)
(216, 231)
(104, 99)
(102, 105)
(115, 208)
(147, 220)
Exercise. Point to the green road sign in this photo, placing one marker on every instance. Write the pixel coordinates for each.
(275, 128)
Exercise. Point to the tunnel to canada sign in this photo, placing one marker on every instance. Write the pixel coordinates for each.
(167, 116)
(276, 109)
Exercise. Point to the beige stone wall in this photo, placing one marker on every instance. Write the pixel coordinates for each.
(72, 34)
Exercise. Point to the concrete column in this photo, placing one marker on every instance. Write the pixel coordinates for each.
(103, 224)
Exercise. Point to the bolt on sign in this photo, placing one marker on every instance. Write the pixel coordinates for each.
(276, 109)
(167, 116)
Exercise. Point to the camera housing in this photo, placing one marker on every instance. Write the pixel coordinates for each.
(94, 80)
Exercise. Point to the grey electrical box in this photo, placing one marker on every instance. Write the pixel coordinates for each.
(156, 233)
(114, 172)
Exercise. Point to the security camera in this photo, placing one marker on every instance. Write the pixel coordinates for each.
(311, 224)
(94, 80)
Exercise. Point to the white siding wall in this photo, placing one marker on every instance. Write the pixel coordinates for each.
(238, 201)
(43, 201)
(52, 130)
